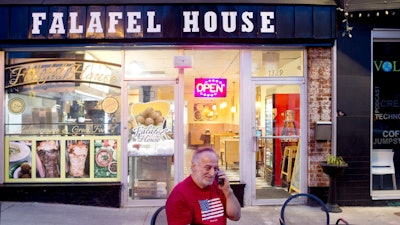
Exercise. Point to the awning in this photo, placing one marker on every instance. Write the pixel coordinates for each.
(92, 2)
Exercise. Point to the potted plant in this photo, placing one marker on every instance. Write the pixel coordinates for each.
(334, 166)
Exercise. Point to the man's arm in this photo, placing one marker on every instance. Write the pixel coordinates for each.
(233, 208)
(178, 213)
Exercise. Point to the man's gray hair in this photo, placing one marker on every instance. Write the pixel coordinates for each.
(198, 151)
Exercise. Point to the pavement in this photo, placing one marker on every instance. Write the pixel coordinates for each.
(26, 213)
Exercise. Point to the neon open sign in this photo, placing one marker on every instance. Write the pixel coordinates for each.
(209, 87)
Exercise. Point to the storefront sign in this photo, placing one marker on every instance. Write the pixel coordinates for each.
(41, 72)
(209, 87)
(98, 22)
(167, 21)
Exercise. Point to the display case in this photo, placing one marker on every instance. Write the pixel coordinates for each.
(150, 176)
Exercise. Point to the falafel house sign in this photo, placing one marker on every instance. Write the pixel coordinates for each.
(150, 21)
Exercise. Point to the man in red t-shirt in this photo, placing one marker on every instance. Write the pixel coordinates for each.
(199, 199)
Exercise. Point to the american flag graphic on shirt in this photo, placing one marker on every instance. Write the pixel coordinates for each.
(211, 208)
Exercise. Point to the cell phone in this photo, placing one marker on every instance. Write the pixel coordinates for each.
(221, 181)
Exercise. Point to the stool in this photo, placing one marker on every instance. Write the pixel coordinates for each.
(289, 156)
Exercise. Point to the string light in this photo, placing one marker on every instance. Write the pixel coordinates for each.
(348, 29)
(346, 16)
(378, 13)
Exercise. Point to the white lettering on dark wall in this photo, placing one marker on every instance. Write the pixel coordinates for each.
(75, 29)
(95, 23)
(191, 20)
(231, 22)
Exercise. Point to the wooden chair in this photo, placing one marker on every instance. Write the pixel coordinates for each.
(289, 156)
(231, 152)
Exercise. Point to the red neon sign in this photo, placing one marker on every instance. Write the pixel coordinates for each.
(209, 87)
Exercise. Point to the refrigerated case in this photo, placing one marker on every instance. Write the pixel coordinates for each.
(151, 176)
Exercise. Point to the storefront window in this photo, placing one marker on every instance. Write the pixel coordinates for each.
(280, 63)
(385, 152)
(62, 120)
(151, 141)
(212, 107)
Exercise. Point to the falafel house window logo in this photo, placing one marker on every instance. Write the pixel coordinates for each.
(149, 121)
(210, 87)
(150, 134)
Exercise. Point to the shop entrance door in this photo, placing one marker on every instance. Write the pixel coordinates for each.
(148, 135)
(278, 110)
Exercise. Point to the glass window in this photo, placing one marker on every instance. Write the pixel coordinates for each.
(212, 114)
(151, 141)
(62, 116)
(273, 63)
(385, 153)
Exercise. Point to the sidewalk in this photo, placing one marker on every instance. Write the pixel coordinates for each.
(16, 213)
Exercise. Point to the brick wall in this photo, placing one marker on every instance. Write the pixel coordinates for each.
(319, 109)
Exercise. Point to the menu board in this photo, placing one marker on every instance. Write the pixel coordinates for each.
(385, 97)
(62, 159)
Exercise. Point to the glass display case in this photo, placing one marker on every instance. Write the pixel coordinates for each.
(150, 176)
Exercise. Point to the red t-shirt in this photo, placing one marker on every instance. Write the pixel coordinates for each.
(189, 204)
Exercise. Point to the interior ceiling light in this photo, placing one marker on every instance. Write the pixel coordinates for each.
(223, 105)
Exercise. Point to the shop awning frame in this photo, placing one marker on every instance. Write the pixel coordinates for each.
(116, 2)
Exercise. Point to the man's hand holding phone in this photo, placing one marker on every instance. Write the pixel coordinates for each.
(221, 177)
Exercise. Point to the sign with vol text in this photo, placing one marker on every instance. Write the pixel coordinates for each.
(386, 98)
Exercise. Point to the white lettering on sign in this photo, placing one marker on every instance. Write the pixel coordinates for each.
(37, 22)
(390, 133)
(152, 27)
(247, 25)
(95, 23)
(266, 18)
(74, 29)
(191, 21)
(210, 22)
(229, 18)
(133, 26)
(231, 22)
(114, 17)
(57, 26)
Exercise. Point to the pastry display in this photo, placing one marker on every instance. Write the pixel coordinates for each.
(150, 113)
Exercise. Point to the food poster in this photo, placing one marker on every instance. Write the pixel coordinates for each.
(63, 159)
(48, 159)
(106, 158)
(150, 132)
(20, 159)
(77, 159)
(204, 112)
